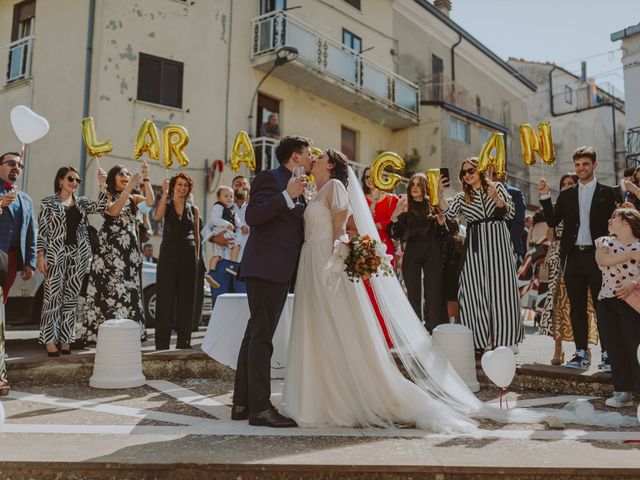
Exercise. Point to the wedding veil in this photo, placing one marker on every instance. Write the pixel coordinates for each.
(424, 363)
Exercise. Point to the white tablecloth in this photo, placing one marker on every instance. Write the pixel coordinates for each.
(227, 326)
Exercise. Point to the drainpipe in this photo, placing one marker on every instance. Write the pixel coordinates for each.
(226, 113)
(87, 86)
(453, 60)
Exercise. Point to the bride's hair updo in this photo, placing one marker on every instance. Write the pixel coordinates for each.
(340, 170)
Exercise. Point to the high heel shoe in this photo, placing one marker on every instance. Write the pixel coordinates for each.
(558, 360)
(4, 389)
(65, 351)
(53, 354)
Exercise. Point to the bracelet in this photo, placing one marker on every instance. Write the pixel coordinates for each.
(146, 180)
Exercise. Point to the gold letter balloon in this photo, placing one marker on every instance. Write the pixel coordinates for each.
(242, 152)
(94, 148)
(433, 182)
(382, 180)
(497, 161)
(152, 147)
(174, 139)
(540, 143)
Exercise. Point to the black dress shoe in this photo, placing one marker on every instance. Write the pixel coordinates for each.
(183, 346)
(239, 412)
(271, 418)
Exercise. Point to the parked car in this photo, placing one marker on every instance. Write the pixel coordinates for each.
(25, 298)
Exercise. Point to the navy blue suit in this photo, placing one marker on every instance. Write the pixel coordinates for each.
(516, 225)
(268, 266)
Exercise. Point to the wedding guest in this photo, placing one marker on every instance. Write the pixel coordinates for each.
(382, 205)
(147, 253)
(529, 270)
(516, 224)
(201, 271)
(618, 256)
(415, 225)
(64, 253)
(4, 381)
(177, 262)
(452, 246)
(227, 282)
(555, 318)
(114, 289)
(18, 226)
(488, 293)
(585, 210)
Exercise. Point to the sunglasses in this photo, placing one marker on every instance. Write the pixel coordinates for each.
(13, 164)
(72, 179)
(122, 173)
(468, 171)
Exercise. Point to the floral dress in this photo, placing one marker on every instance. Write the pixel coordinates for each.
(114, 289)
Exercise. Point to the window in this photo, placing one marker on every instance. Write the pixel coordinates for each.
(437, 70)
(459, 130)
(568, 94)
(354, 3)
(160, 80)
(352, 41)
(348, 144)
(484, 135)
(24, 18)
(267, 6)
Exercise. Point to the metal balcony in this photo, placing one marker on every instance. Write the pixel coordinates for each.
(335, 72)
(19, 54)
(633, 147)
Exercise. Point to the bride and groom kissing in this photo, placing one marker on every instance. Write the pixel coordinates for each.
(339, 369)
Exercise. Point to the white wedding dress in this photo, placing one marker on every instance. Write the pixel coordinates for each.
(339, 370)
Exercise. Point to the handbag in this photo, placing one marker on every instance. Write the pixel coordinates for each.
(634, 300)
(543, 270)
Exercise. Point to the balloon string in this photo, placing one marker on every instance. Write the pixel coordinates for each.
(501, 392)
(22, 153)
(98, 162)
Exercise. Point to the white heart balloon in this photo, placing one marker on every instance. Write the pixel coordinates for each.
(28, 125)
(500, 366)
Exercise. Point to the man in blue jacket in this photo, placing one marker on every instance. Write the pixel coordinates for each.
(18, 226)
(516, 225)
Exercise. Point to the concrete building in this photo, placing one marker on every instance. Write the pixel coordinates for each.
(581, 113)
(631, 60)
(364, 77)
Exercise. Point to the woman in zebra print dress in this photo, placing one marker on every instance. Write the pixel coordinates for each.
(488, 293)
(64, 253)
(114, 289)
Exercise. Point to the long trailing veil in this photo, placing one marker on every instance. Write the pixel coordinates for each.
(429, 368)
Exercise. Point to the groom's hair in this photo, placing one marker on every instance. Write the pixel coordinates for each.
(290, 145)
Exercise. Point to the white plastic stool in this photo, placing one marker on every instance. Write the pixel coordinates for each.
(118, 362)
(456, 343)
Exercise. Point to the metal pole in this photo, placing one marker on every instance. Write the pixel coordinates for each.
(87, 87)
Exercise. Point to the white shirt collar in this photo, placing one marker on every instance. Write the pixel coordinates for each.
(590, 185)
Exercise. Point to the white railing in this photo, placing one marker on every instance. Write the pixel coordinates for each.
(265, 152)
(19, 54)
(276, 29)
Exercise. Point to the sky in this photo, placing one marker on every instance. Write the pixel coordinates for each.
(560, 31)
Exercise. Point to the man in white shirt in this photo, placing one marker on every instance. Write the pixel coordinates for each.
(584, 210)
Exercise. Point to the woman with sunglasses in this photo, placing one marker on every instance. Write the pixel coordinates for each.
(64, 253)
(488, 293)
(114, 289)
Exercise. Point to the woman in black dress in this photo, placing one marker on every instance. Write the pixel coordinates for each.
(414, 223)
(176, 277)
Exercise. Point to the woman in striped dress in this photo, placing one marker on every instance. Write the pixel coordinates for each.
(488, 293)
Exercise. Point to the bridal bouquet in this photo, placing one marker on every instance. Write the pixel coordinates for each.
(363, 257)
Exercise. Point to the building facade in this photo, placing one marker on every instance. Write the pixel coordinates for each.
(581, 113)
(363, 77)
(631, 63)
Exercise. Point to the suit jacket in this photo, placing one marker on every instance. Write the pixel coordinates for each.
(516, 225)
(567, 210)
(273, 246)
(28, 232)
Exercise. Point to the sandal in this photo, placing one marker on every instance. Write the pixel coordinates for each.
(4, 389)
(558, 360)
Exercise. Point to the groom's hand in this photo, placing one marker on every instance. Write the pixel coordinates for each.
(295, 187)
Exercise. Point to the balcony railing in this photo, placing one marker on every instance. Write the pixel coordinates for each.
(439, 88)
(331, 58)
(633, 147)
(19, 55)
(265, 151)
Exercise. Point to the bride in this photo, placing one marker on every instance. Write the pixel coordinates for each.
(339, 370)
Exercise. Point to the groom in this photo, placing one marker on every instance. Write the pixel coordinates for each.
(268, 265)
